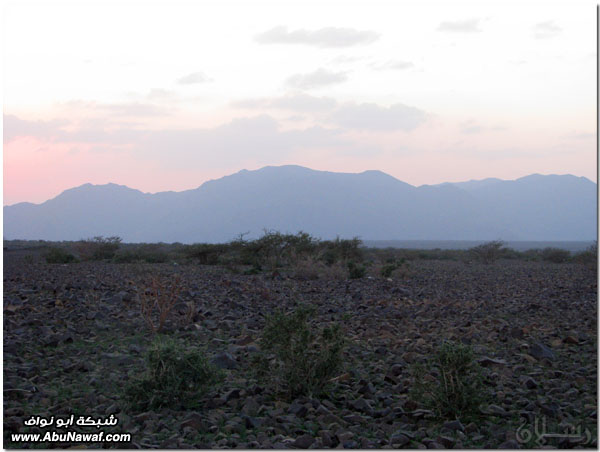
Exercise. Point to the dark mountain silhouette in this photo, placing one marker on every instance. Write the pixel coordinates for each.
(372, 205)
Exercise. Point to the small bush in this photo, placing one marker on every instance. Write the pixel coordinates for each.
(175, 376)
(356, 271)
(59, 256)
(589, 257)
(393, 265)
(456, 390)
(556, 255)
(98, 248)
(307, 268)
(488, 252)
(206, 253)
(148, 252)
(310, 268)
(305, 360)
(341, 250)
(157, 299)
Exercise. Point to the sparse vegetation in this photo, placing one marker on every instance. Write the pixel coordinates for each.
(341, 250)
(451, 383)
(75, 338)
(392, 265)
(98, 248)
(556, 255)
(589, 257)
(356, 271)
(157, 299)
(304, 359)
(488, 252)
(175, 375)
(58, 256)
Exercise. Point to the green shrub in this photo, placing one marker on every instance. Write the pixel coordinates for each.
(305, 360)
(356, 271)
(59, 256)
(393, 265)
(456, 390)
(175, 376)
(488, 252)
(256, 269)
(98, 248)
(341, 250)
(152, 253)
(275, 249)
(589, 257)
(206, 253)
(556, 255)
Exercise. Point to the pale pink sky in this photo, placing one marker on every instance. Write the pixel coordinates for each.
(427, 91)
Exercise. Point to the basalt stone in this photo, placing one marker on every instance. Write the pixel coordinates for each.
(224, 360)
(540, 351)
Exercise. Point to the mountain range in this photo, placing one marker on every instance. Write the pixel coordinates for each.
(371, 205)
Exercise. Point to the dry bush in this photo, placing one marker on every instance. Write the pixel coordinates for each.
(312, 268)
(98, 248)
(157, 299)
(307, 268)
(336, 271)
(488, 252)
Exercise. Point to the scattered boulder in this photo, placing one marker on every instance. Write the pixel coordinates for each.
(224, 360)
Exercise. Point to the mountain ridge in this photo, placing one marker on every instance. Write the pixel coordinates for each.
(370, 204)
(242, 171)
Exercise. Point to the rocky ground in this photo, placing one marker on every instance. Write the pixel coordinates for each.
(73, 336)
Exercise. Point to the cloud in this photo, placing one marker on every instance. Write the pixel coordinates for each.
(133, 109)
(243, 139)
(393, 65)
(580, 136)
(319, 78)
(295, 102)
(344, 59)
(127, 109)
(250, 139)
(470, 127)
(460, 26)
(15, 127)
(193, 78)
(161, 95)
(546, 29)
(324, 37)
(374, 117)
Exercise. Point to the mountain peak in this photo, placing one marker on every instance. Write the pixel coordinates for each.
(371, 204)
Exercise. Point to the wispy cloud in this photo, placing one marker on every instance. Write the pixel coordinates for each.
(546, 29)
(15, 127)
(122, 109)
(324, 37)
(317, 79)
(299, 102)
(194, 78)
(160, 94)
(393, 65)
(133, 109)
(460, 26)
(374, 117)
(580, 136)
(471, 127)
(242, 140)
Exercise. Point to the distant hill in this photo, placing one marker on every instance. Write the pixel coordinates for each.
(372, 205)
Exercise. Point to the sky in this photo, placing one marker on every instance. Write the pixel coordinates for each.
(165, 95)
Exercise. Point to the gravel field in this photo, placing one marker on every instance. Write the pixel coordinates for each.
(74, 336)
